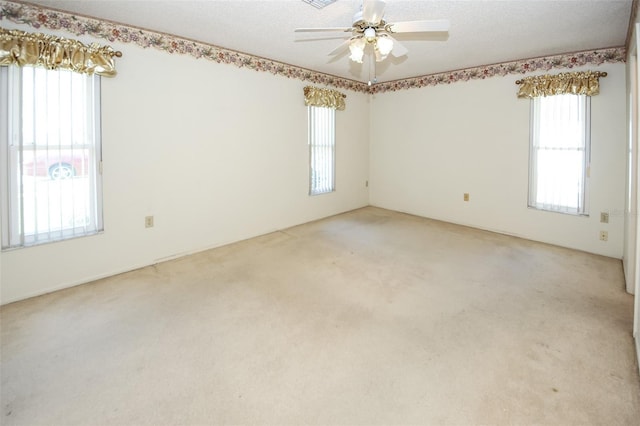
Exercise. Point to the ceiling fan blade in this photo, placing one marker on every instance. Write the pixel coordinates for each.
(398, 49)
(312, 30)
(372, 11)
(439, 25)
(341, 48)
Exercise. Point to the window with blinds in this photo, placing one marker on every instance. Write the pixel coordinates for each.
(321, 150)
(560, 153)
(50, 155)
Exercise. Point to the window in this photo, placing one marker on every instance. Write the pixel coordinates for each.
(322, 153)
(50, 155)
(560, 153)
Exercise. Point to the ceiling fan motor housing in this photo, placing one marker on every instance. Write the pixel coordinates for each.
(370, 29)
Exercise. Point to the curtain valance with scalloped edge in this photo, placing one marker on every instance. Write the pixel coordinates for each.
(36, 49)
(576, 83)
(316, 96)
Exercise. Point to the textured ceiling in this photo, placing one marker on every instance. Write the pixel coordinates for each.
(482, 31)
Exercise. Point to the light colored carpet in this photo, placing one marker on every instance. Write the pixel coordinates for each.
(370, 317)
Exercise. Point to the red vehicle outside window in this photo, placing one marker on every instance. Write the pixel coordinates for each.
(55, 163)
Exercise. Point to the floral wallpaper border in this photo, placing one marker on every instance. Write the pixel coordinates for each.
(568, 60)
(39, 17)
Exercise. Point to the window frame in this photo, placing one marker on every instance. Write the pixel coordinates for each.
(12, 149)
(583, 204)
(315, 149)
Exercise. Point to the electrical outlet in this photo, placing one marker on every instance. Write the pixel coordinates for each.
(604, 236)
(465, 197)
(148, 222)
(604, 217)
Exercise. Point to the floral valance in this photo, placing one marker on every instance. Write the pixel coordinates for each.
(36, 49)
(316, 96)
(576, 83)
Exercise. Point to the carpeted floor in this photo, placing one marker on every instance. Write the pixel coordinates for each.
(367, 318)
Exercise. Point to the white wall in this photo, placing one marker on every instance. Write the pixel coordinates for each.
(629, 258)
(431, 145)
(215, 153)
(218, 154)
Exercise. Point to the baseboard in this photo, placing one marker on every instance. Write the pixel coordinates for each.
(87, 280)
(65, 286)
(499, 231)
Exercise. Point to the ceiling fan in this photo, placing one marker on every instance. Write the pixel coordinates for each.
(370, 29)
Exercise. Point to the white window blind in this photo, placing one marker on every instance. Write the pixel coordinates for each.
(321, 150)
(50, 154)
(560, 153)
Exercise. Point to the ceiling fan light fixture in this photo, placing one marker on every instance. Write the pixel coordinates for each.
(379, 56)
(384, 45)
(370, 34)
(357, 49)
(356, 56)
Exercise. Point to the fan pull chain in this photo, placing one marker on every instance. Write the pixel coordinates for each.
(369, 70)
(372, 63)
